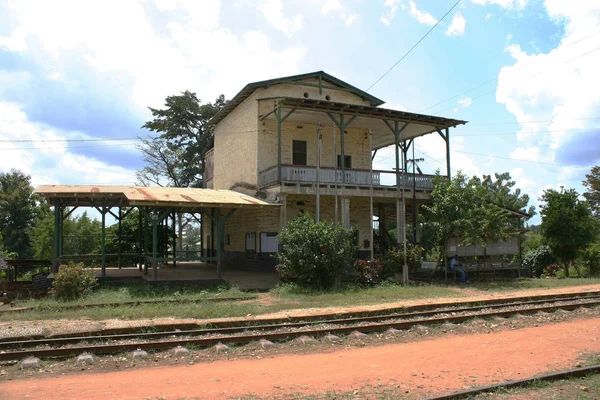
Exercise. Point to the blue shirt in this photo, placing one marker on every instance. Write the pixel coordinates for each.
(454, 263)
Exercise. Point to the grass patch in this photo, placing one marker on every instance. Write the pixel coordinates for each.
(532, 283)
(293, 296)
(108, 293)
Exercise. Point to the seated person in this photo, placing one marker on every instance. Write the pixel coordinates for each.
(456, 266)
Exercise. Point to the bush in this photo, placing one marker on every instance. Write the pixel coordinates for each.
(315, 253)
(552, 269)
(395, 258)
(370, 272)
(538, 260)
(590, 259)
(73, 281)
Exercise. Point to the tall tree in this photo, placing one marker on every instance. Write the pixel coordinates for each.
(567, 224)
(18, 210)
(178, 153)
(592, 193)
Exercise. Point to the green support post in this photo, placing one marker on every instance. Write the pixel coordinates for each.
(119, 240)
(448, 153)
(57, 234)
(342, 125)
(280, 120)
(103, 238)
(174, 241)
(220, 221)
(140, 240)
(154, 220)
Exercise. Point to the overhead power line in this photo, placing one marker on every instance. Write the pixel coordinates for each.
(496, 78)
(412, 48)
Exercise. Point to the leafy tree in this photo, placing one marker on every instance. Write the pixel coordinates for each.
(538, 260)
(500, 192)
(42, 234)
(184, 132)
(592, 194)
(177, 157)
(315, 253)
(567, 224)
(18, 209)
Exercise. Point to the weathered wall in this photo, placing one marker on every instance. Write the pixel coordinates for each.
(356, 143)
(236, 146)
(297, 91)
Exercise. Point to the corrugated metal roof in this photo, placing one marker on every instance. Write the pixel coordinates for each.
(152, 196)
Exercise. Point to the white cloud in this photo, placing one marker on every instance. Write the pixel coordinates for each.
(421, 16)
(46, 157)
(488, 16)
(273, 12)
(466, 102)
(390, 13)
(557, 87)
(338, 8)
(397, 106)
(529, 154)
(146, 49)
(509, 4)
(457, 26)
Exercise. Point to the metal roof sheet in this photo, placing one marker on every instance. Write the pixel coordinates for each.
(151, 196)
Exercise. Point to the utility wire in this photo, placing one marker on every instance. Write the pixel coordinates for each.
(496, 78)
(412, 48)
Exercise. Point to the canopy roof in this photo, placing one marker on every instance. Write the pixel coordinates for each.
(124, 196)
(373, 118)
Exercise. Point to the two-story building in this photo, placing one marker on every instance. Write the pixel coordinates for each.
(307, 143)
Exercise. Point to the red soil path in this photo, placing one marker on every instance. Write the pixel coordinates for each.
(433, 366)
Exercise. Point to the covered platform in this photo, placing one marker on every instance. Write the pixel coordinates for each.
(157, 209)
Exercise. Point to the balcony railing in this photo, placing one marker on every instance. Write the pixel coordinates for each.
(349, 177)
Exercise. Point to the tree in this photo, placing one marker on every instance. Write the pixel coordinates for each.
(178, 153)
(592, 194)
(567, 224)
(177, 157)
(18, 209)
(500, 192)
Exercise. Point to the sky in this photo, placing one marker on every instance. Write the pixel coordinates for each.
(524, 73)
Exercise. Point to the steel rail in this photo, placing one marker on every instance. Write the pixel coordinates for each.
(238, 329)
(274, 336)
(572, 373)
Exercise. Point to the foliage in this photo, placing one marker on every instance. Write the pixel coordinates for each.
(592, 193)
(315, 253)
(370, 272)
(537, 260)
(567, 224)
(73, 281)
(551, 270)
(590, 259)
(81, 234)
(18, 209)
(395, 258)
(176, 157)
(532, 241)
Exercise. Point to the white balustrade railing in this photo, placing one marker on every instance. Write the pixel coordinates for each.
(349, 177)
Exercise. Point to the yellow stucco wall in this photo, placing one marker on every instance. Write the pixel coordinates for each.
(267, 219)
(236, 146)
(356, 143)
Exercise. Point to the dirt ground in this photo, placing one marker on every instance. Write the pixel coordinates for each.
(448, 363)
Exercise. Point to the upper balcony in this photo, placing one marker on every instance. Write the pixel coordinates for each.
(300, 174)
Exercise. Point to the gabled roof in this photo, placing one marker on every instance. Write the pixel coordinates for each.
(320, 75)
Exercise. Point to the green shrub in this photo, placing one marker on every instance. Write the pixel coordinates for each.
(73, 281)
(590, 259)
(538, 260)
(369, 272)
(315, 253)
(395, 258)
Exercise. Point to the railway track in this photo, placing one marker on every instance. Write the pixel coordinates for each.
(275, 330)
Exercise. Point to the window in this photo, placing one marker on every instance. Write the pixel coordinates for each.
(347, 161)
(251, 241)
(269, 242)
(299, 152)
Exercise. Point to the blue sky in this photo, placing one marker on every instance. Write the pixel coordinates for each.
(522, 72)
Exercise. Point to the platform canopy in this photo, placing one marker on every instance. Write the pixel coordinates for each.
(189, 199)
